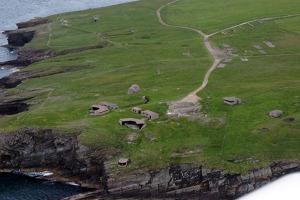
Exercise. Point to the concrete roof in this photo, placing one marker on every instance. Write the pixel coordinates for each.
(137, 121)
(123, 160)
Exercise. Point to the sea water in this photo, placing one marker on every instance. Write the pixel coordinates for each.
(16, 186)
(21, 187)
(14, 11)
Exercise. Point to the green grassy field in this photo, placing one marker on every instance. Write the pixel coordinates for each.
(140, 50)
(217, 15)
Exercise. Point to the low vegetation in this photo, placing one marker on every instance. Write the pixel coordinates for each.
(128, 45)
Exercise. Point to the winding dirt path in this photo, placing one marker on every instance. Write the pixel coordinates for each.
(191, 101)
(216, 54)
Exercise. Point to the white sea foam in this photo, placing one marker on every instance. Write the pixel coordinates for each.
(39, 174)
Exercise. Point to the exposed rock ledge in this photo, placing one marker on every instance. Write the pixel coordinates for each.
(191, 181)
(32, 149)
(54, 151)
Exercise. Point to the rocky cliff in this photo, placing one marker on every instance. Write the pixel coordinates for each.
(192, 181)
(57, 151)
(51, 150)
(32, 23)
(19, 38)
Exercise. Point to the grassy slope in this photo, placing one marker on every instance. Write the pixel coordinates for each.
(265, 83)
(219, 14)
(105, 74)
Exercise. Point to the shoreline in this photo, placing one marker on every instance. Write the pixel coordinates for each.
(56, 175)
(59, 175)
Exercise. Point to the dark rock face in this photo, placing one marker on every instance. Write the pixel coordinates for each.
(8, 82)
(192, 181)
(19, 38)
(14, 108)
(32, 23)
(31, 148)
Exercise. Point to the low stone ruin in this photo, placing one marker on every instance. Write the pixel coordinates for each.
(275, 113)
(150, 114)
(133, 123)
(96, 19)
(102, 108)
(146, 113)
(98, 110)
(134, 88)
(232, 100)
(123, 162)
(110, 106)
(137, 110)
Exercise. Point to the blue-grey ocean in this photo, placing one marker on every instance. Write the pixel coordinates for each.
(17, 187)
(14, 11)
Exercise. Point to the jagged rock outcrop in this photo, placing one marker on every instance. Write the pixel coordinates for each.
(8, 82)
(51, 149)
(13, 106)
(192, 181)
(19, 38)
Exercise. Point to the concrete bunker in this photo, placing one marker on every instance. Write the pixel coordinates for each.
(150, 115)
(137, 110)
(275, 113)
(95, 18)
(133, 123)
(133, 89)
(109, 105)
(98, 110)
(232, 100)
(123, 162)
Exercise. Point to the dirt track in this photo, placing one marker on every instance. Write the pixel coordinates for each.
(190, 103)
(178, 107)
(216, 55)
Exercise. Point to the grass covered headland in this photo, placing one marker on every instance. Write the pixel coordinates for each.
(128, 45)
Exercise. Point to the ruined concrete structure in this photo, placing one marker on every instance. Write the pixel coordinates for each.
(275, 113)
(132, 123)
(150, 115)
(98, 110)
(134, 88)
(109, 105)
(137, 110)
(123, 162)
(232, 100)
(146, 113)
